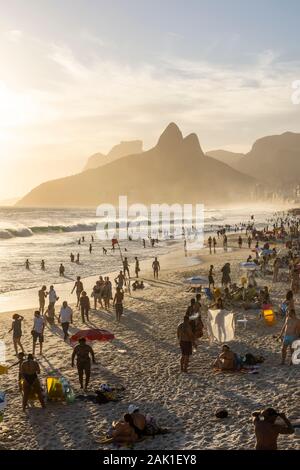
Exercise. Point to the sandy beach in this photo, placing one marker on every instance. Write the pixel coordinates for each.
(144, 358)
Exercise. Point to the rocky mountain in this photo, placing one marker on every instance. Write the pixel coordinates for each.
(230, 158)
(118, 151)
(175, 170)
(274, 160)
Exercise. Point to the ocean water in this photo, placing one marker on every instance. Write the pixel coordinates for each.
(52, 234)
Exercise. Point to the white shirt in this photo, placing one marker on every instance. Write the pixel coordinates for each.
(52, 296)
(66, 314)
(38, 324)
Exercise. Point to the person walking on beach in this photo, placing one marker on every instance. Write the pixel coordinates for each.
(72, 258)
(137, 267)
(209, 244)
(29, 372)
(126, 267)
(144, 243)
(120, 279)
(42, 296)
(249, 242)
(43, 267)
(16, 328)
(211, 281)
(267, 430)
(214, 244)
(155, 267)
(38, 331)
(83, 352)
(225, 242)
(84, 306)
(289, 332)
(226, 280)
(51, 307)
(77, 258)
(27, 264)
(186, 339)
(61, 270)
(240, 242)
(78, 286)
(118, 303)
(90, 248)
(104, 250)
(65, 318)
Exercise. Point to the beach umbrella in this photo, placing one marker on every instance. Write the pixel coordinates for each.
(249, 266)
(94, 334)
(266, 252)
(196, 280)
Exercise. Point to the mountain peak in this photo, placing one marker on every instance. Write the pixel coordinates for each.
(192, 144)
(170, 138)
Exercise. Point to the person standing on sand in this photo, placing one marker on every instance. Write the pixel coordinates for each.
(43, 267)
(27, 264)
(240, 242)
(249, 242)
(79, 288)
(118, 302)
(61, 270)
(16, 328)
(84, 306)
(290, 332)
(214, 244)
(77, 258)
(29, 372)
(42, 296)
(225, 242)
(72, 258)
(90, 248)
(38, 331)
(211, 281)
(126, 267)
(120, 279)
(155, 267)
(186, 339)
(51, 307)
(65, 318)
(226, 279)
(144, 243)
(137, 267)
(209, 244)
(276, 269)
(267, 431)
(83, 352)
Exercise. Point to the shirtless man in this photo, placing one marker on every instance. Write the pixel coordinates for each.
(83, 352)
(118, 302)
(137, 267)
(79, 288)
(186, 339)
(226, 360)
(266, 431)
(120, 280)
(155, 267)
(126, 267)
(290, 332)
(42, 296)
(29, 373)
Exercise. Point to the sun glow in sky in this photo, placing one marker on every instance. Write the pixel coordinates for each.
(76, 77)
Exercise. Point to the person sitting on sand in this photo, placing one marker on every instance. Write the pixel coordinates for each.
(30, 370)
(123, 431)
(227, 360)
(289, 332)
(16, 327)
(186, 338)
(267, 431)
(138, 420)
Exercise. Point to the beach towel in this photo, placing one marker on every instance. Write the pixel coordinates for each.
(220, 326)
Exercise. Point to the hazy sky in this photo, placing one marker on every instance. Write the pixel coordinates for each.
(77, 77)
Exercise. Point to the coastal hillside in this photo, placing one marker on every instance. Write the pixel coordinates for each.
(118, 151)
(174, 170)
